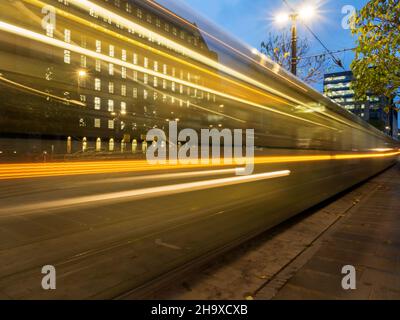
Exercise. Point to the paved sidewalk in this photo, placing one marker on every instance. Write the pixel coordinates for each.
(368, 238)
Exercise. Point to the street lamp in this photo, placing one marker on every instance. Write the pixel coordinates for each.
(305, 13)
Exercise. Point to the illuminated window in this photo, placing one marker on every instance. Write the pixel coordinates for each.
(97, 84)
(112, 50)
(67, 56)
(123, 90)
(155, 82)
(145, 78)
(145, 94)
(165, 69)
(98, 65)
(111, 87)
(83, 61)
(97, 103)
(67, 36)
(135, 93)
(123, 72)
(135, 58)
(97, 123)
(111, 69)
(111, 126)
(146, 62)
(139, 13)
(156, 66)
(111, 105)
(123, 107)
(123, 55)
(98, 46)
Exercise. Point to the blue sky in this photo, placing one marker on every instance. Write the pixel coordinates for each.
(252, 20)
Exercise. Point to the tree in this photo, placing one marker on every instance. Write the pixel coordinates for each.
(376, 66)
(310, 69)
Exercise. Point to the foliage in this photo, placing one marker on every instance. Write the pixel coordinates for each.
(377, 64)
(310, 69)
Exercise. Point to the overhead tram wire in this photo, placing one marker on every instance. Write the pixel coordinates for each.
(328, 52)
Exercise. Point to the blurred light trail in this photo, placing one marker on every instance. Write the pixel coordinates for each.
(88, 5)
(67, 46)
(141, 193)
(225, 44)
(40, 93)
(37, 170)
(119, 36)
(165, 176)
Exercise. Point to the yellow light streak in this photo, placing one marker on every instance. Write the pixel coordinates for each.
(104, 13)
(67, 46)
(114, 34)
(55, 169)
(40, 93)
(143, 193)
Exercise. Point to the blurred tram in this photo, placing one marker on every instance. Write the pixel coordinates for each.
(91, 77)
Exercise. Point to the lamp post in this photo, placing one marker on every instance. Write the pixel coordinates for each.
(304, 14)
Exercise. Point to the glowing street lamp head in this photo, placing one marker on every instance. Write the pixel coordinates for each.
(307, 12)
(282, 18)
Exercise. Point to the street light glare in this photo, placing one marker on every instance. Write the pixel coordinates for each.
(307, 12)
(282, 18)
(82, 73)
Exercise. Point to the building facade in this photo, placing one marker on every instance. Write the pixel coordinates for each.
(103, 94)
(337, 86)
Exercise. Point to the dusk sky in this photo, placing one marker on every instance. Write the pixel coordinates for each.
(252, 20)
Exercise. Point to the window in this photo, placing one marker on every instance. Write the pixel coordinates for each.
(98, 65)
(146, 62)
(135, 76)
(83, 61)
(111, 105)
(135, 93)
(145, 78)
(97, 103)
(98, 46)
(111, 69)
(139, 13)
(156, 66)
(123, 72)
(111, 87)
(123, 90)
(97, 123)
(135, 58)
(112, 50)
(123, 107)
(97, 84)
(165, 69)
(123, 55)
(111, 126)
(67, 36)
(67, 56)
(155, 82)
(145, 94)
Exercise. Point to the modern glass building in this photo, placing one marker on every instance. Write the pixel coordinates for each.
(337, 86)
